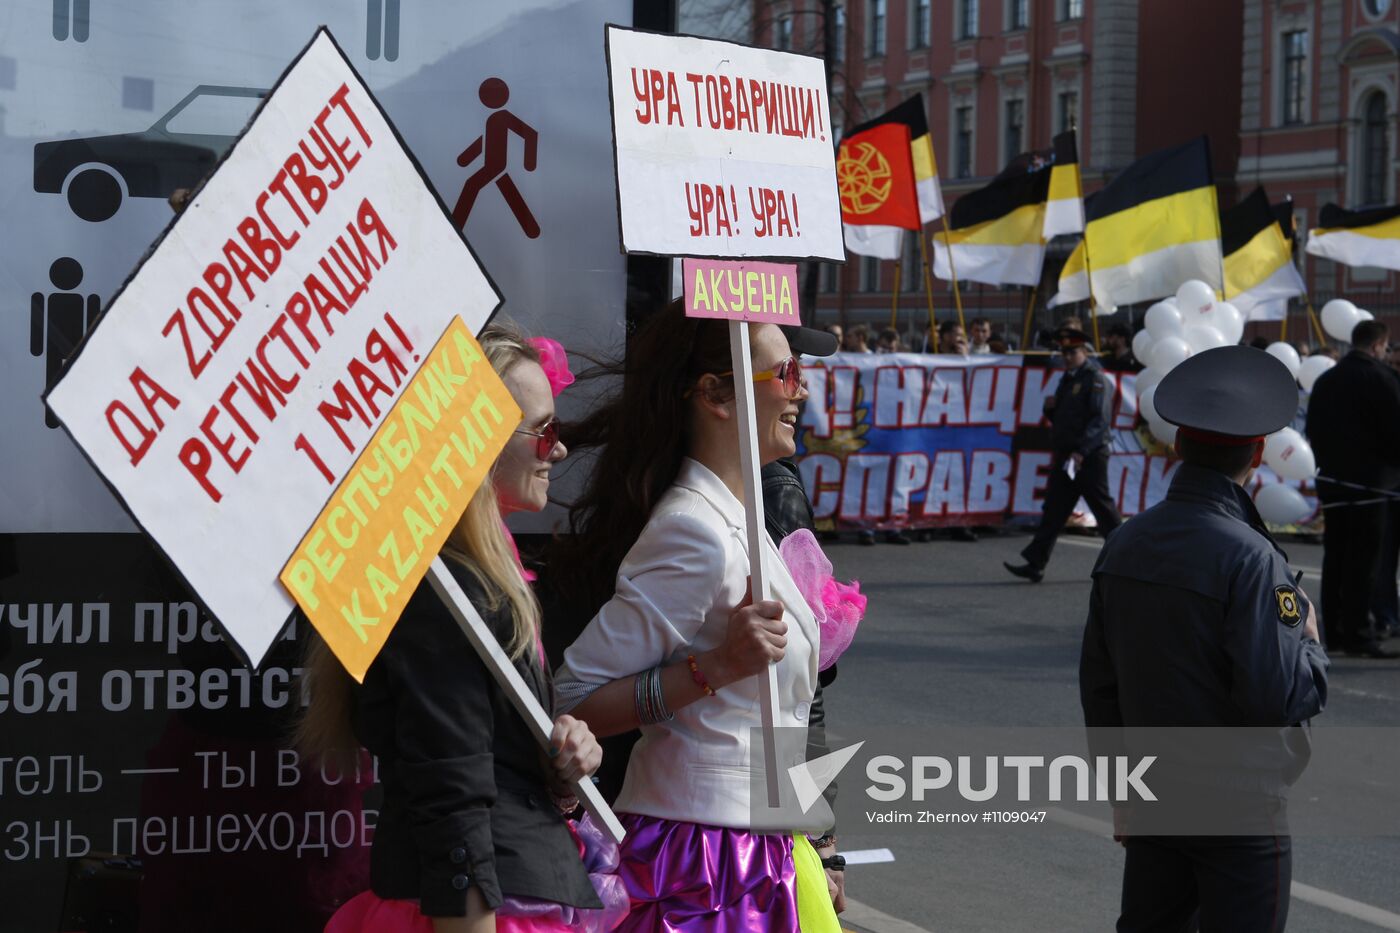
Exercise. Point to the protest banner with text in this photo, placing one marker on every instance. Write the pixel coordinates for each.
(233, 381)
(356, 568)
(757, 292)
(911, 440)
(722, 150)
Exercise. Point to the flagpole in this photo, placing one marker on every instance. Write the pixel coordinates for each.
(1030, 309)
(1312, 316)
(1283, 328)
(953, 271)
(928, 284)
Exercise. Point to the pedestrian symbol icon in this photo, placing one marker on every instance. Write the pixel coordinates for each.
(58, 321)
(493, 144)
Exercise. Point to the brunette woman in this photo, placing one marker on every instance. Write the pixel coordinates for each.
(659, 544)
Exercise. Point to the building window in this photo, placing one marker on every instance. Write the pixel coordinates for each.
(875, 45)
(967, 19)
(1295, 73)
(782, 34)
(138, 93)
(1018, 14)
(869, 273)
(1375, 151)
(919, 23)
(831, 277)
(1015, 119)
(962, 142)
(840, 33)
(1070, 9)
(1068, 117)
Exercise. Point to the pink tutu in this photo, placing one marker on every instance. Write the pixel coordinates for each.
(369, 913)
(839, 607)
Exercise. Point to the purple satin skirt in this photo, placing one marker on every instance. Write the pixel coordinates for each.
(688, 878)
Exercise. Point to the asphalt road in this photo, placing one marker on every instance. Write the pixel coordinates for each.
(950, 638)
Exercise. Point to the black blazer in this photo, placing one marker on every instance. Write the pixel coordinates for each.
(465, 794)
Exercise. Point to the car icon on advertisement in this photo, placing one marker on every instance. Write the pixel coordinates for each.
(177, 151)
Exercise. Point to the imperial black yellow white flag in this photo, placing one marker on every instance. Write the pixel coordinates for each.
(1156, 225)
(862, 170)
(1064, 206)
(1259, 272)
(1358, 238)
(1074, 280)
(996, 233)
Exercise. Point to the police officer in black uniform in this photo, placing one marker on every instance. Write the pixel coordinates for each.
(1079, 414)
(1195, 621)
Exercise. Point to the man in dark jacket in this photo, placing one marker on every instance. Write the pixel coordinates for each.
(1079, 415)
(787, 508)
(1354, 426)
(1195, 622)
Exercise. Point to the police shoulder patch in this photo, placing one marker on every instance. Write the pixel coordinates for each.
(1289, 612)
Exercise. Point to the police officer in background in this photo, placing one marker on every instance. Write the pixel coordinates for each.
(1195, 621)
(1079, 414)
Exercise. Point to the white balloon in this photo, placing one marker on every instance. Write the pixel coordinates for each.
(1285, 353)
(1203, 337)
(1146, 407)
(1289, 455)
(1163, 320)
(1193, 299)
(1363, 315)
(1142, 344)
(1229, 320)
(1168, 352)
(1146, 379)
(1311, 368)
(1280, 505)
(1164, 432)
(1171, 300)
(1339, 316)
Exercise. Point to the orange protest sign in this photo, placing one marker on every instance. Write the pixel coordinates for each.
(354, 571)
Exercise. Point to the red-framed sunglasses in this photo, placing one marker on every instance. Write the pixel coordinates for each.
(545, 440)
(788, 373)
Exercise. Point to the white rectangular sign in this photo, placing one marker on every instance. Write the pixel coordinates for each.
(723, 150)
(234, 379)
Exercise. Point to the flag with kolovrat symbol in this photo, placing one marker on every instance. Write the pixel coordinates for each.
(875, 176)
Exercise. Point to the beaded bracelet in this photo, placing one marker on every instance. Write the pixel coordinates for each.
(698, 677)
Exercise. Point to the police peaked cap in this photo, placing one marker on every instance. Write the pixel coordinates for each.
(1234, 392)
(1070, 337)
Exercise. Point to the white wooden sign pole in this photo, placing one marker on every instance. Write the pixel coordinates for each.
(753, 521)
(521, 696)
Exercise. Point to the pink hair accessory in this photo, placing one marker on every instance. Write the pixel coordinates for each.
(838, 607)
(555, 363)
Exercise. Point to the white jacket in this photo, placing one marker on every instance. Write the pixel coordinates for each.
(676, 589)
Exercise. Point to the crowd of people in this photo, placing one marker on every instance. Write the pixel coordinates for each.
(639, 630)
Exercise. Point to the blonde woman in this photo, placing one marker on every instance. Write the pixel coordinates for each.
(471, 834)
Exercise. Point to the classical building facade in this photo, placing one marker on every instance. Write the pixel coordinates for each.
(1003, 76)
(1317, 120)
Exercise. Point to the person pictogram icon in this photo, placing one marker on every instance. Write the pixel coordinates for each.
(58, 321)
(494, 144)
